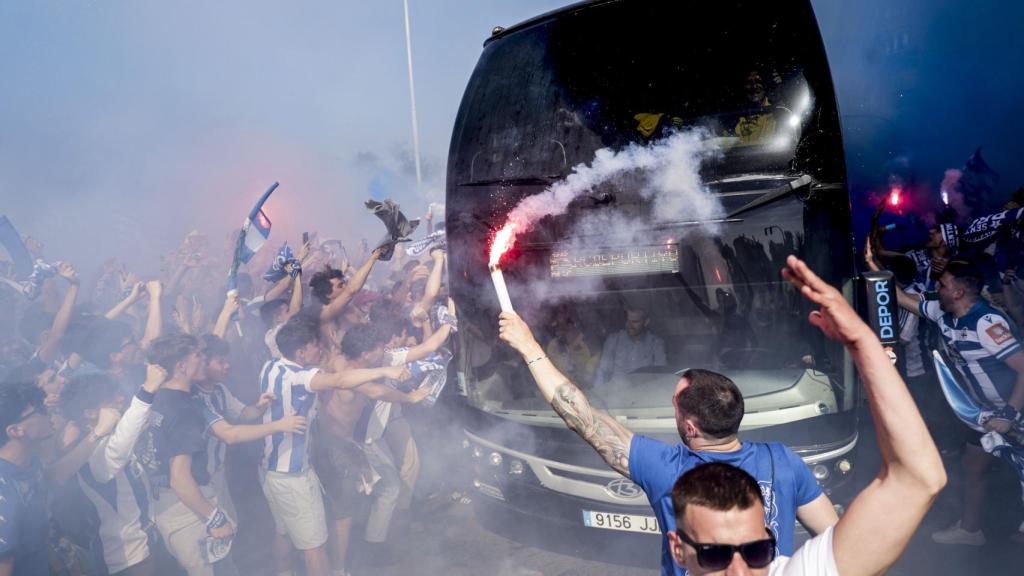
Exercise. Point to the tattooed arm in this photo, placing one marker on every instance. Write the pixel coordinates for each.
(599, 429)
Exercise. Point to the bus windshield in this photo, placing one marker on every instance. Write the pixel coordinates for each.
(544, 98)
(623, 320)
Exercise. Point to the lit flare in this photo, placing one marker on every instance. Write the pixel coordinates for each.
(501, 244)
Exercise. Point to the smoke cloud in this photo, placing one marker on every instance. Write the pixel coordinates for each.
(669, 172)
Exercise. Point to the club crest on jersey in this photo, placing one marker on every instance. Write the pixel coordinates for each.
(999, 333)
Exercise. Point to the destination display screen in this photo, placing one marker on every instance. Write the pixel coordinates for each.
(658, 259)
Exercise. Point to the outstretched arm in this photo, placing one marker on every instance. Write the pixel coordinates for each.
(154, 320)
(604, 433)
(49, 348)
(231, 305)
(434, 280)
(906, 301)
(432, 342)
(911, 474)
(333, 309)
(354, 377)
(239, 433)
(127, 303)
(388, 394)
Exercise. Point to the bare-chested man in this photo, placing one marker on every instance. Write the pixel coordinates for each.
(290, 483)
(339, 459)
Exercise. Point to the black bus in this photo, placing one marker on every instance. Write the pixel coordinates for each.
(545, 96)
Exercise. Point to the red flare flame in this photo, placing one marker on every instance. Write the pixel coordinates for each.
(894, 196)
(501, 243)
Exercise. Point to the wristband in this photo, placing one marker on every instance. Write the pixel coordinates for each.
(216, 520)
(145, 395)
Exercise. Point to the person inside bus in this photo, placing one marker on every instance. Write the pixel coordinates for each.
(718, 509)
(709, 407)
(758, 122)
(631, 348)
(734, 336)
(571, 350)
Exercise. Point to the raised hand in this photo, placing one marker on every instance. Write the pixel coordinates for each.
(155, 377)
(154, 288)
(835, 317)
(67, 272)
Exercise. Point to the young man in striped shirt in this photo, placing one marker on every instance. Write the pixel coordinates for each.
(982, 343)
(290, 484)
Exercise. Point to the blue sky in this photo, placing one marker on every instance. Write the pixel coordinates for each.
(127, 123)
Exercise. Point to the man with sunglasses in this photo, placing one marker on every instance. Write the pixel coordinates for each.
(718, 510)
(24, 521)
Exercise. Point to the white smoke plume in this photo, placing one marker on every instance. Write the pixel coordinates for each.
(671, 179)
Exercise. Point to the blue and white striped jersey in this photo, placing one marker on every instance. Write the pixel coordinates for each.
(979, 344)
(289, 382)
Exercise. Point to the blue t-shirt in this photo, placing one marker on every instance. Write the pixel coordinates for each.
(24, 522)
(655, 467)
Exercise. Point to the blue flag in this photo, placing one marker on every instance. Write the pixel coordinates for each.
(254, 233)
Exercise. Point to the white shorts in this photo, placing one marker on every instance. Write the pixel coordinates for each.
(297, 504)
(182, 531)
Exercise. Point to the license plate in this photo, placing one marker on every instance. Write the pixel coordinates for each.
(622, 522)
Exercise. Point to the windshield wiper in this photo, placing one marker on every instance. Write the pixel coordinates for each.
(774, 194)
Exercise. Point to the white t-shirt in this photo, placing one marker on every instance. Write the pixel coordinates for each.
(814, 558)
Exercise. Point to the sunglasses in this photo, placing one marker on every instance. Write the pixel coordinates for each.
(756, 554)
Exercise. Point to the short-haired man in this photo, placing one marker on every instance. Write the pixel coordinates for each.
(983, 346)
(24, 427)
(635, 346)
(290, 484)
(176, 456)
(718, 509)
(221, 405)
(112, 477)
(709, 408)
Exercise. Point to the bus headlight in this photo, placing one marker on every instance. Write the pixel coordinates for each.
(495, 459)
(515, 467)
(820, 472)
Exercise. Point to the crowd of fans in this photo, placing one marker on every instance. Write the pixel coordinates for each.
(122, 395)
